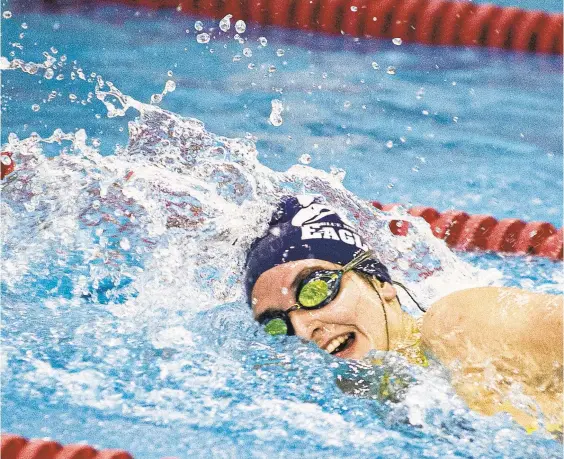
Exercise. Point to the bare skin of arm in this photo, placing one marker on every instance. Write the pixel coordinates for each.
(504, 348)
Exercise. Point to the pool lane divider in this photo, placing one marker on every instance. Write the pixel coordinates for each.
(17, 447)
(429, 22)
(466, 232)
(458, 229)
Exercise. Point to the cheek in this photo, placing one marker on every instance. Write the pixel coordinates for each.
(353, 304)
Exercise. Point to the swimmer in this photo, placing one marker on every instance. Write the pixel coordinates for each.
(313, 276)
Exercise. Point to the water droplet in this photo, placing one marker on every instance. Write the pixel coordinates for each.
(225, 23)
(425, 112)
(263, 41)
(415, 169)
(6, 160)
(199, 26)
(60, 77)
(279, 52)
(31, 68)
(275, 115)
(397, 41)
(247, 52)
(389, 144)
(391, 70)
(284, 291)
(354, 9)
(7, 14)
(96, 142)
(24, 25)
(49, 73)
(324, 75)
(124, 244)
(251, 66)
(305, 159)
(455, 119)
(375, 66)
(35, 107)
(156, 99)
(169, 73)
(390, 185)
(271, 69)
(72, 97)
(346, 104)
(236, 58)
(54, 50)
(56, 26)
(170, 86)
(203, 37)
(240, 26)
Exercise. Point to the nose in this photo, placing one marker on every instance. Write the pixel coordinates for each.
(306, 324)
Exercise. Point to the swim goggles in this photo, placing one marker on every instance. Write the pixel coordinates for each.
(315, 291)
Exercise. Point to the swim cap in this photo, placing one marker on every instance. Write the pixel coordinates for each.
(302, 227)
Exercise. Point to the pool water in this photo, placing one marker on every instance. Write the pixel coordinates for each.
(124, 235)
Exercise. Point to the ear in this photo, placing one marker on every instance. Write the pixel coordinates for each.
(388, 291)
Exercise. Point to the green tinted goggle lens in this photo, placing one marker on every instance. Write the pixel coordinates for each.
(276, 327)
(313, 293)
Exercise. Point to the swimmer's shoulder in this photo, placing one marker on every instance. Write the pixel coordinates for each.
(513, 314)
(494, 298)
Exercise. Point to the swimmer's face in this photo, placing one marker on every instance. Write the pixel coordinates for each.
(348, 327)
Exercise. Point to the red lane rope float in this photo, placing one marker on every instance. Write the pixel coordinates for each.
(16, 447)
(483, 232)
(432, 22)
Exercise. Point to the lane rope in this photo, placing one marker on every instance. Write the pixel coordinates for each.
(467, 232)
(17, 447)
(430, 22)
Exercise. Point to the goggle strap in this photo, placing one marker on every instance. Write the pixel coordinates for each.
(410, 295)
(355, 262)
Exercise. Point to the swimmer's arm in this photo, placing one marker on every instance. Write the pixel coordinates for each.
(492, 337)
(495, 322)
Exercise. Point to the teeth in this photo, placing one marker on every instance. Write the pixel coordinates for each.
(335, 343)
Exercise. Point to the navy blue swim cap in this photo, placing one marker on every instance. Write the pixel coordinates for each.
(302, 227)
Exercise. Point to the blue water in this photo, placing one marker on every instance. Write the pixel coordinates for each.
(144, 349)
(553, 6)
(501, 157)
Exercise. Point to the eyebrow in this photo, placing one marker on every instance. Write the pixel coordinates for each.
(297, 279)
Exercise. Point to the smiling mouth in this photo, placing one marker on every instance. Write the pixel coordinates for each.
(340, 343)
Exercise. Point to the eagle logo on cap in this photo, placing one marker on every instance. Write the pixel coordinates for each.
(311, 211)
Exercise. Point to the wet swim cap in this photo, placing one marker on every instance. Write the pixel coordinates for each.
(303, 227)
